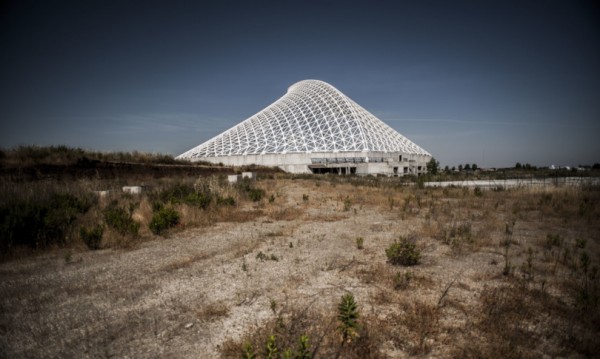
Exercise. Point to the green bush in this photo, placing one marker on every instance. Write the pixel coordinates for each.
(120, 220)
(404, 252)
(225, 201)
(39, 223)
(92, 237)
(164, 219)
(187, 194)
(254, 194)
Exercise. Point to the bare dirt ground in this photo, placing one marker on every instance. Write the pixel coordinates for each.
(202, 292)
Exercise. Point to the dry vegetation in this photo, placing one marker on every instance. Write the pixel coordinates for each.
(485, 274)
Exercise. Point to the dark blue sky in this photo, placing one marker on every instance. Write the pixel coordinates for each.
(470, 81)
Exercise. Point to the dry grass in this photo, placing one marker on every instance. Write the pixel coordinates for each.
(458, 302)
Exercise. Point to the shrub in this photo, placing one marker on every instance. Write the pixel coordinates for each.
(92, 237)
(120, 220)
(404, 252)
(360, 242)
(186, 194)
(163, 219)
(348, 318)
(226, 201)
(256, 194)
(40, 223)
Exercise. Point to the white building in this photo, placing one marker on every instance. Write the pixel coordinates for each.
(314, 128)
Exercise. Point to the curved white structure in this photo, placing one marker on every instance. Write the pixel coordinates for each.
(314, 128)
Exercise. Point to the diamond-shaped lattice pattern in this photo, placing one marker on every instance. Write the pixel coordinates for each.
(312, 116)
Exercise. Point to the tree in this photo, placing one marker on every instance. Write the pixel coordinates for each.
(433, 166)
(459, 168)
(474, 166)
(467, 167)
(518, 165)
(446, 169)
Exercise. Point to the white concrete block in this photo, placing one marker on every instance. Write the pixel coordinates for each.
(234, 178)
(132, 189)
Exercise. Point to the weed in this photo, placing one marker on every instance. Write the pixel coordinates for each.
(120, 220)
(271, 350)
(347, 204)
(303, 351)
(164, 219)
(305, 198)
(92, 237)
(360, 242)
(225, 201)
(273, 305)
(271, 198)
(553, 240)
(402, 280)
(527, 267)
(403, 252)
(580, 243)
(248, 351)
(261, 256)
(348, 318)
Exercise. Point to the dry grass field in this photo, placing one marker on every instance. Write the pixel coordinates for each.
(484, 274)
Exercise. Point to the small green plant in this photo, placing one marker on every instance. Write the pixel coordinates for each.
(360, 242)
(164, 219)
(271, 350)
(403, 252)
(303, 351)
(348, 317)
(347, 204)
(271, 198)
(273, 305)
(92, 237)
(304, 198)
(248, 351)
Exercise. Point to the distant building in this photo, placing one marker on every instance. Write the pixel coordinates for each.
(314, 128)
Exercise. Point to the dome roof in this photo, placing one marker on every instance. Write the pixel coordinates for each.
(312, 116)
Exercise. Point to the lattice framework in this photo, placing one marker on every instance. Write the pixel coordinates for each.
(312, 116)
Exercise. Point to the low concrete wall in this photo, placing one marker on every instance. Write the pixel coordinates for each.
(375, 162)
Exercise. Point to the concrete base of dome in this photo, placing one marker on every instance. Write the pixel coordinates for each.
(359, 163)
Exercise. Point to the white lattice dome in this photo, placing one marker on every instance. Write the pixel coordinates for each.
(312, 116)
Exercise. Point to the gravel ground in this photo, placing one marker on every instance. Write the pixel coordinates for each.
(185, 295)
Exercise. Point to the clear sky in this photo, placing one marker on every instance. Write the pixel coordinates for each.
(486, 82)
